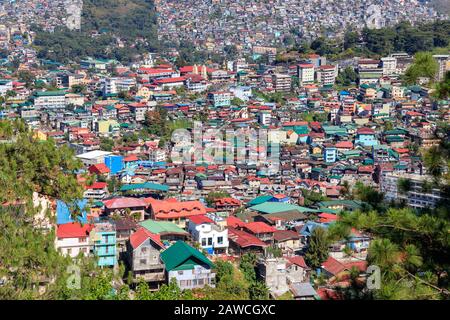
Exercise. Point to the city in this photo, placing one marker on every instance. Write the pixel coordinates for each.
(224, 150)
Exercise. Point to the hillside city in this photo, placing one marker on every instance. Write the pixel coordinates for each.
(252, 150)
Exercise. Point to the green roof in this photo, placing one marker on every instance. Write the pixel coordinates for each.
(49, 93)
(145, 185)
(259, 200)
(355, 204)
(182, 256)
(161, 227)
(274, 207)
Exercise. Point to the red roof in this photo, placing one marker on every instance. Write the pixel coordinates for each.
(344, 145)
(170, 80)
(329, 294)
(234, 222)
(142, 234)
(297, 260)
(244, 239)
(365, 130)
(174, 209)
(333, 266)
(119, 203)
(100, 168)
(130, 158)
(227, 202)
(97, 185)
(200, 219)
(259, 227)
(73, 230)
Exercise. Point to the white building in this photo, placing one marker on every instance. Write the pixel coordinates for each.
(416, 197)
(156, 155)
(212, 237)
(326, 75)
(50, 100)
(5, 86)
(93, 157)
(442, 60)
(389, 65)
(73, 239)
(305, 73)
(242, 92)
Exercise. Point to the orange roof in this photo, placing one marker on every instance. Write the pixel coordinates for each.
(142, 234)
(163, 209)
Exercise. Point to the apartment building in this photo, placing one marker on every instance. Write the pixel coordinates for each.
(281, 82)
(305, 73)
(417, 197)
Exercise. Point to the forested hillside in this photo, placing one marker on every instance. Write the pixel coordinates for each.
(133, 21)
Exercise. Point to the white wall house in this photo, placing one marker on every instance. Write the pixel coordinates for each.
(212, 238)
(73, 238)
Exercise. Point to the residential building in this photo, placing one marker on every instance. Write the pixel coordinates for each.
(281, 82)
(188, 266)
(212, 237)
(418, 196)
(103, 237)
(73, 239)
(144, 249)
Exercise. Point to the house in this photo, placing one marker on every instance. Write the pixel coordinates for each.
(103, 237)
(303, 291)
(286, 240)
(131, 207)
(242, 242)
(261, 230)
(167, 231)
(366, 137)
(96, 191)
(213, 238)
(72, 239)
(143, 253)
(175, 211)
(188, 266)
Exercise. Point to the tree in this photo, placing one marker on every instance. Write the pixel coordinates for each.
(442, 90)
(404, 185)
(317, 251)
(247, 266)
(212, 196)
(424, 65)
(258, 291)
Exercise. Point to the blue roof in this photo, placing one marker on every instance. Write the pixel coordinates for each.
(63, 212)
(309, 227)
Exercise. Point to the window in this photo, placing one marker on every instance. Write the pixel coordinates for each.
(143, 261)
(209, 241)
(69, 251)
(144, 250)
(82, 239)
(203, 242)
(180, 273)
(220, 240)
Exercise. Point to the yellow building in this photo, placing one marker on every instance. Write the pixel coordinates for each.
(106, 126)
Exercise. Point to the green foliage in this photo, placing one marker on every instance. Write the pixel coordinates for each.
(368, 194)
(258, 291)
(212, 196)
(424, 66)
(442, 90)
(129, 20)
(347, 77)
(247, 266)
(28, 165)
(410, 249)
(317, 251)
(106, 144)
(404, 185)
